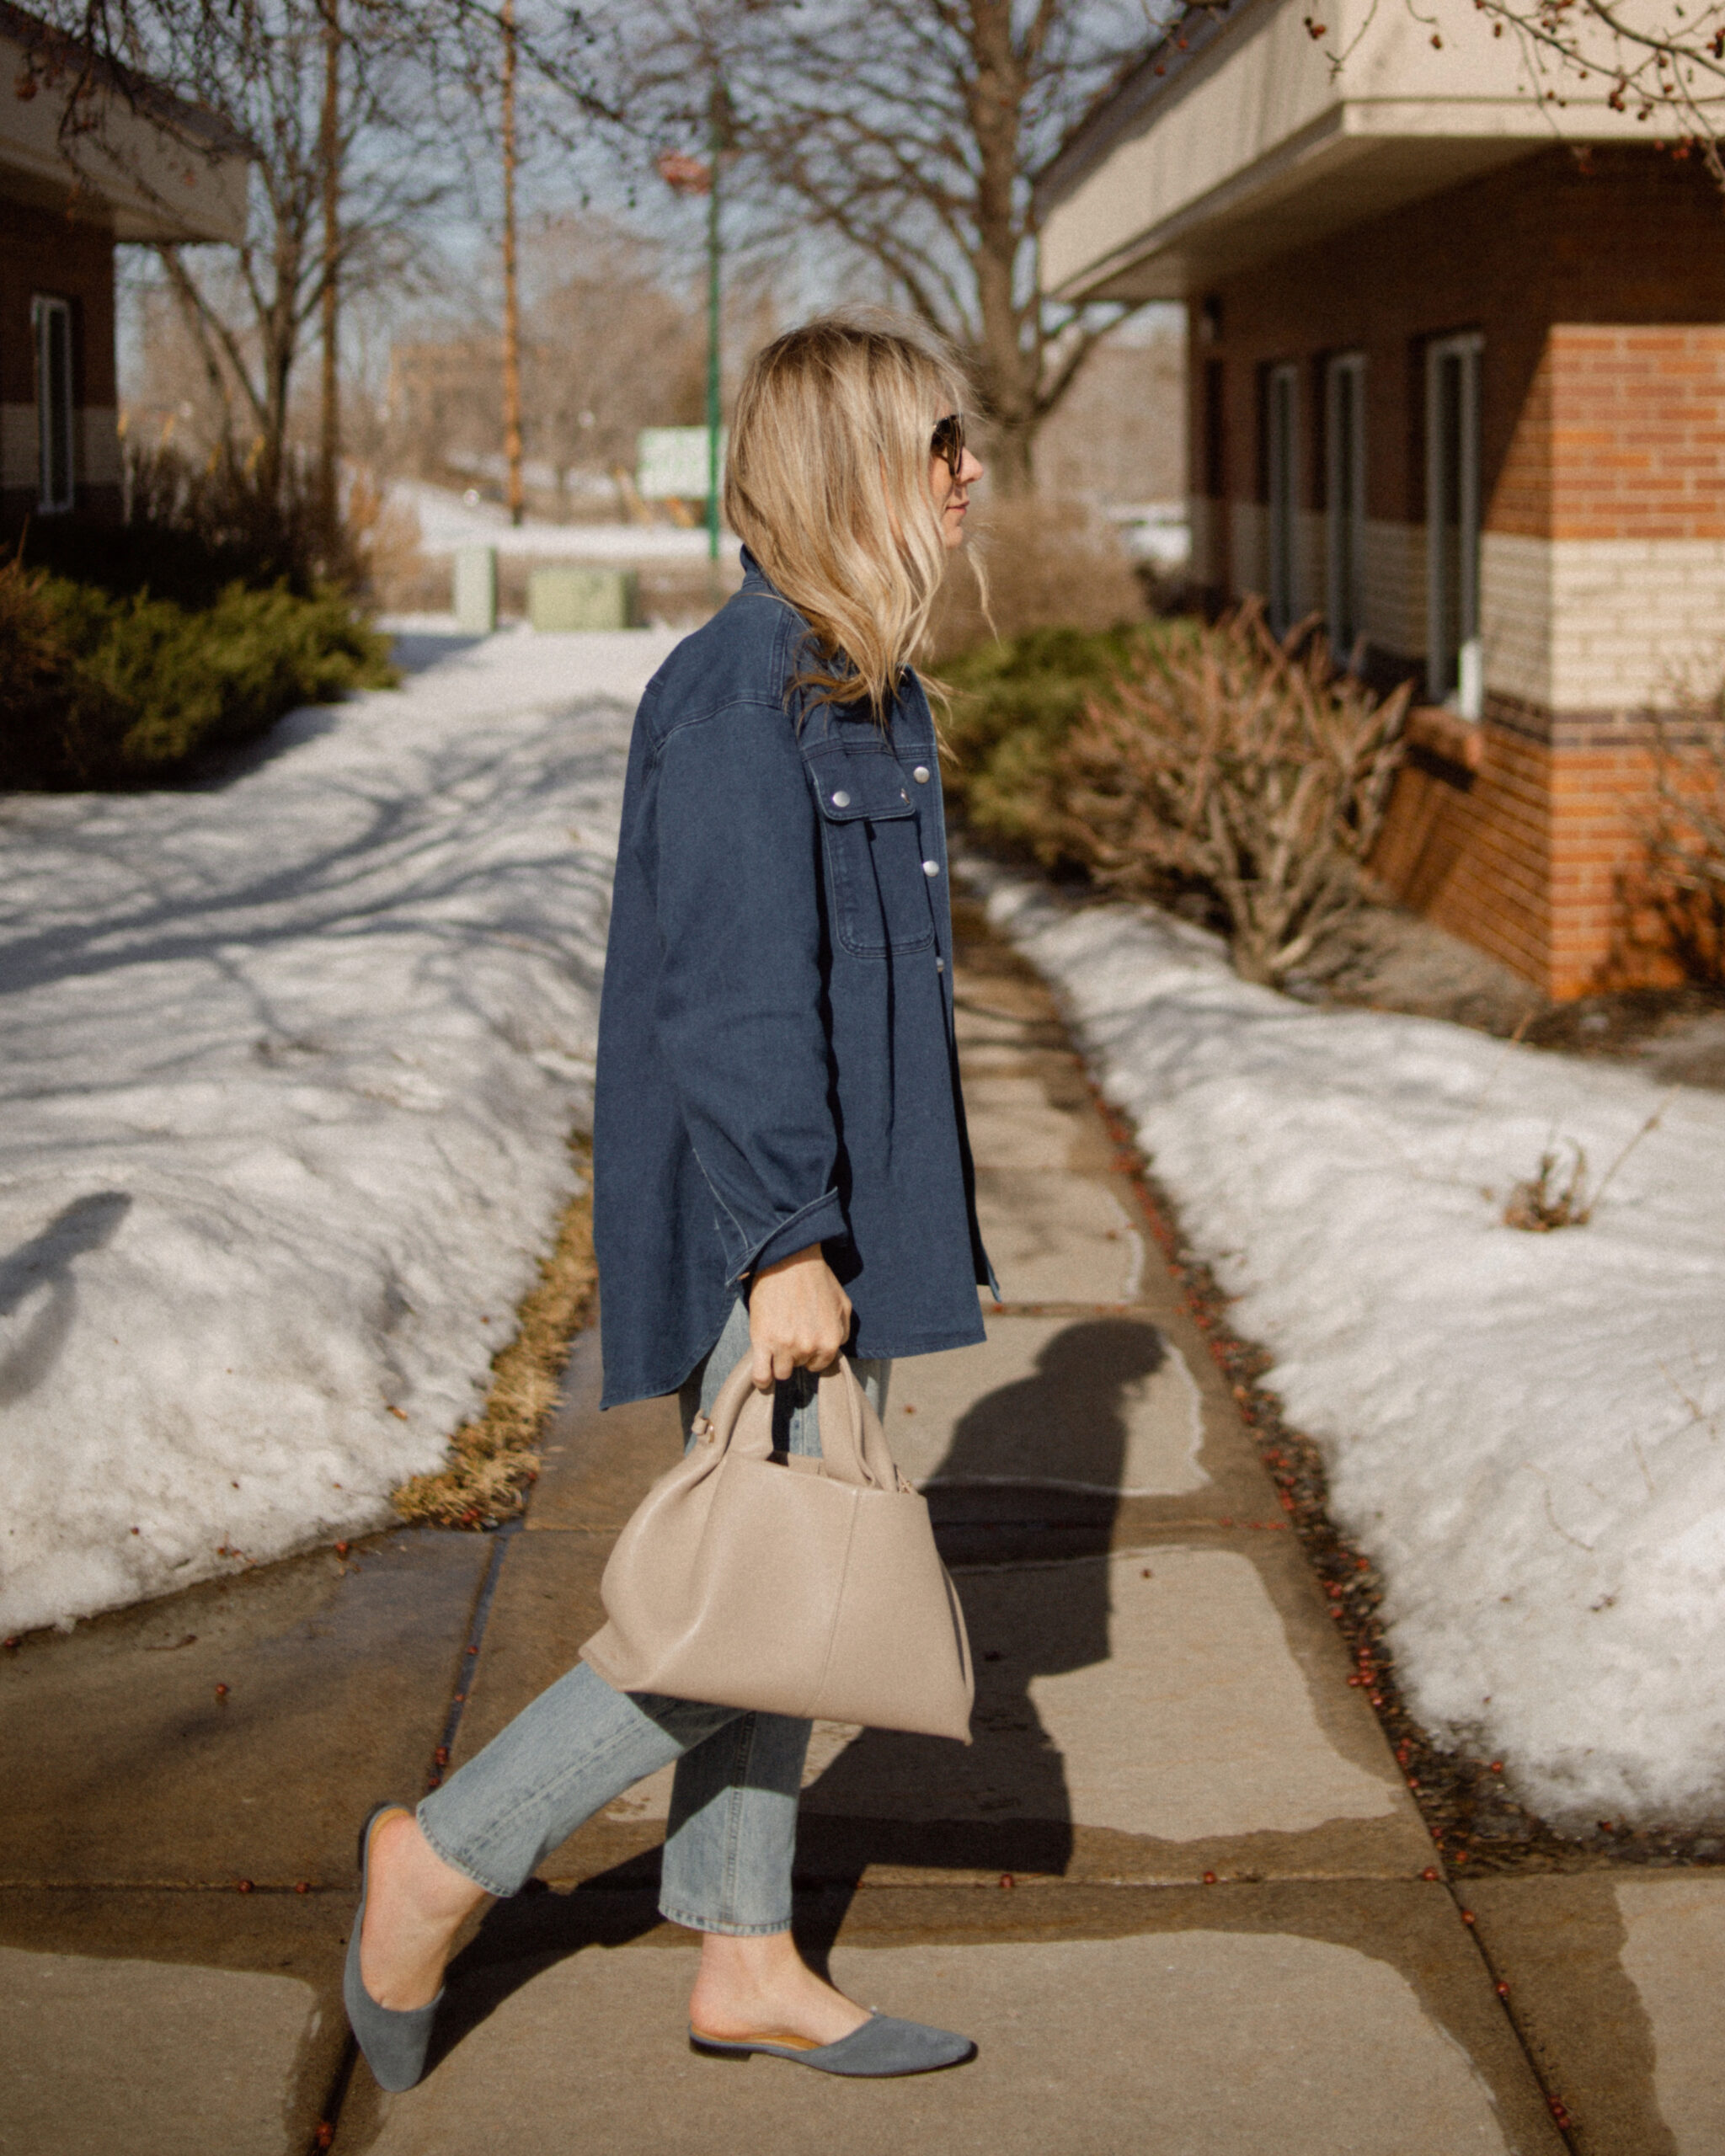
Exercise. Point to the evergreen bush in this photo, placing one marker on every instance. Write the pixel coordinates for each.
(105, 691)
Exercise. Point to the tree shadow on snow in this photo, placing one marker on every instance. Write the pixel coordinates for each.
(45, 1262)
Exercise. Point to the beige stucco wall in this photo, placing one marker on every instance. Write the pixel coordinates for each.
(147, 181)
(1261, 114)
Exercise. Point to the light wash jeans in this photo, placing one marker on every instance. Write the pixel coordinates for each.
(579, 1745)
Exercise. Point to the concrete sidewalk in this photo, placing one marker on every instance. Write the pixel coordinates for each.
(1177, 1889)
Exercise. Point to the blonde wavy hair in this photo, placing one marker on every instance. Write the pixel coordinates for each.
(827, 484)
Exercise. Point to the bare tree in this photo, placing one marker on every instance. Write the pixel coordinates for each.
(356, 118)
(611, 348)
(610, 343)
(329, 207)
(329, 160)
(909, 132)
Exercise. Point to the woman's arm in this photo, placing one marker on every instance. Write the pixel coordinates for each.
(735, 868)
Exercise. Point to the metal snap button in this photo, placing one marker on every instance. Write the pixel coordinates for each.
(921, 774)
(940, 965)
(842, 799)
(931, 868)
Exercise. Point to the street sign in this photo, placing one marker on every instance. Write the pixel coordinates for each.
(672, 462)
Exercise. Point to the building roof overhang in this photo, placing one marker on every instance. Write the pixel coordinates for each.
(1242, 136)
(138, 161)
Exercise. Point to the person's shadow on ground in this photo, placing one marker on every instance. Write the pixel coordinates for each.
(1032, 1475)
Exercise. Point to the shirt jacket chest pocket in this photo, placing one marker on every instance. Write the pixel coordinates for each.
(876, 880)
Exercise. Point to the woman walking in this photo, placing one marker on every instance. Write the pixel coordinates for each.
(781, 1168)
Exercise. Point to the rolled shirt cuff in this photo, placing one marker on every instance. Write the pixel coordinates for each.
(818, 1222)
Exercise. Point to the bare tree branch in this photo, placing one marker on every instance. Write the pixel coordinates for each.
(910, 130)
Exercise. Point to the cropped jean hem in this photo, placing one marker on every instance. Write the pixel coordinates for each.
(723, 1929)
(460, 1864)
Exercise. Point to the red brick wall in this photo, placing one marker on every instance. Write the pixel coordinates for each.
(1600, 296)
(1636, 241)
(1472, 850)
(42, 251)
(1622, 436)
(62, 257)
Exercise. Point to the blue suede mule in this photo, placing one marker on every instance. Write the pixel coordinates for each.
(882, 2047)
(394, 2043)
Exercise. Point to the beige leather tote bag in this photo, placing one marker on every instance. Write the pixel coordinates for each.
(796, 1586)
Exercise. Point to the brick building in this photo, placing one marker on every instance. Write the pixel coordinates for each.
(1457, 384)
(142, 167)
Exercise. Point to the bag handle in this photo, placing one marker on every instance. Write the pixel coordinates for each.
(853, 1443)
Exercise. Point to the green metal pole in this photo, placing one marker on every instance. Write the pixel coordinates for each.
(715, 144)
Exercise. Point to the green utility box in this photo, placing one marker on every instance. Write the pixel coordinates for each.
(581, 599)
(474, 595)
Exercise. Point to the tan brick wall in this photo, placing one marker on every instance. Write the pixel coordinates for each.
(98, 447)
(1594, 626)
(1395, 587)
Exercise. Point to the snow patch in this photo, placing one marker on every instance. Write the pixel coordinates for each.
(1526, 1432)
(288, 1063)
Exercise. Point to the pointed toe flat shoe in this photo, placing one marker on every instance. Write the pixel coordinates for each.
(883, 2047)
(395, 2044)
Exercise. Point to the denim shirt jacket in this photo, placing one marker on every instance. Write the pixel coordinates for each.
(777, 1061)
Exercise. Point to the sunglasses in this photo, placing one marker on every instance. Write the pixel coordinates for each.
(948, 442)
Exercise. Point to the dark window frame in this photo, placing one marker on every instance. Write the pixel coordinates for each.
(51, 330)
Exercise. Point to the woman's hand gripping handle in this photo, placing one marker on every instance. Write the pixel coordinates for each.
(799, 1317)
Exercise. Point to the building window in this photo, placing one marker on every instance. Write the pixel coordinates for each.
(1282, 459)
(1344, 489)
(52, 321)
(1454, 673)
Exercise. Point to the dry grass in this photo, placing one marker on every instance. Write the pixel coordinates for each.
(1550, 1198)
(494, 1460)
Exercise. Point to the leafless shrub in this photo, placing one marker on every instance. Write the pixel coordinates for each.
(1685, 836)
(1243, 767)
(1049, 564)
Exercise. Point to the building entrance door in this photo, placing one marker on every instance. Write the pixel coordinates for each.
(1454, 673)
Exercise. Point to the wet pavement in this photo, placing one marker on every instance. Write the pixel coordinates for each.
(1177, 1889)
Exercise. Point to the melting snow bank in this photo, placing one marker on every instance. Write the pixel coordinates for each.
(1527, 1431)
(289, 1064)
